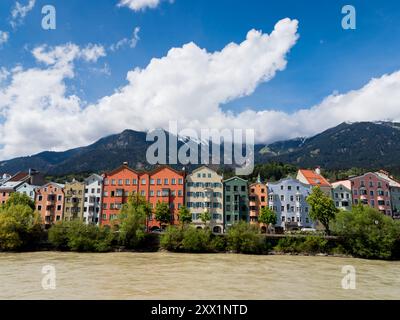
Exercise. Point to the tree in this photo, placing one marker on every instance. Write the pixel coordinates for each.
(133, 221)
(244, 238)
(322, 207)
(367, 233)
(205, 217)
(20, 227)
(267, 216)
(185, 216)
(163, 213)
(19, 198)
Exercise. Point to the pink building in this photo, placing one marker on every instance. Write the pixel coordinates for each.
(372, 190)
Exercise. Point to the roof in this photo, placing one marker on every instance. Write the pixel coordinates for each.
(19, 176)
(385, 175)
(235, 177)
(162, 167)
(345, 183)
(120, 168)
(94, 176)
(314, 178)
(59, 185)
(10, 185)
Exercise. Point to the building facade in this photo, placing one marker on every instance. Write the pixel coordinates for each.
(92, 201)
(50, 203)
(74, 194)
(258, 199)
(288, 198)
(204, 192)
(341, 195)
(27, 189)
(372, 190)
(163, 184)
(236, 201)
(394, 190)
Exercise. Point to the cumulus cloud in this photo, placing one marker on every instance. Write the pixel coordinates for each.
(132, 42)
(189, 84)
(138, 5)
(4, 36)
(19, 12)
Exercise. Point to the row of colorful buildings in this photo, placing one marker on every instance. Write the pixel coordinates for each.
(99, 198)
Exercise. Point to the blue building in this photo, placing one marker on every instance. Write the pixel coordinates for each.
(287, 198)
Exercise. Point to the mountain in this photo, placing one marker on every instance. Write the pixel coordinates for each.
(369, 145)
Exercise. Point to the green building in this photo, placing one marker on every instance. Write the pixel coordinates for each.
(236, 201)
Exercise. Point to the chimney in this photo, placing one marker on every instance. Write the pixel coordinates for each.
(125, 163)
(318, 170)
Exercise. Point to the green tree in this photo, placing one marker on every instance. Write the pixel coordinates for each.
(132, 224)
(244, 238)
(267, 216)
(185, 216)
(20, 227)
(163, 213)
(322, 207)
(205, 217)
(19, 198)
(367, 232)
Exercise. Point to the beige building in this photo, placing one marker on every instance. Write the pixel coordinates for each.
(74, 200)
(204, 192)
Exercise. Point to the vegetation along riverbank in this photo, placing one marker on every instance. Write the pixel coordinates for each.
(362, 232)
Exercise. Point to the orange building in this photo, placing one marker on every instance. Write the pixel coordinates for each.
(163, 184)
(50, 203)
(257, 199)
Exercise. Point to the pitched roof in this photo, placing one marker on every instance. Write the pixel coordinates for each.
(387, 177)
(20, 176)
(345, 183)
(314, 178)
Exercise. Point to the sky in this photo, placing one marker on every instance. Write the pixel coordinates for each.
(283, 68)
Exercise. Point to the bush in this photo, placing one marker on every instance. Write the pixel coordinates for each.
(314, 244)
(172, 238)
(245, 238)
(367, 233)
(288, 245)
(196, 240)
(77, 236)
(218, 243)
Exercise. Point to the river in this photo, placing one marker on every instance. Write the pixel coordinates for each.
(193, 276)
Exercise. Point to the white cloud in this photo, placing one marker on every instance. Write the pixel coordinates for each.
(127, 42)
(138, 5)
(4, 73)
(4, 36)
(19, 12)
(65, 54)
(189, 84)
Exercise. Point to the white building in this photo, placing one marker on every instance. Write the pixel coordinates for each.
(204, 192)
(341, 195)
(92, 202)
(27, 189)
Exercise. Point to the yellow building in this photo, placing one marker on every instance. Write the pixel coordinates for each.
(74, 200)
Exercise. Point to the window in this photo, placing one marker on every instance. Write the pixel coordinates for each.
(166, 181)
(143, 182)
(336, 195)
(173, 181)
(40, 198)
(127, 182)
(106, 182)
(59, 207)
(180, 181)
(235, 188)
(159, 182)
(228, 188)
(59, 198)
(143, 193)
(39, 207)
(151, 193)
(180, 193)
(134, 181)
(282, 208)
(282, 197)
(152, 181)
(243, 188)
(289, 188)
(120, 182)
(113, 182)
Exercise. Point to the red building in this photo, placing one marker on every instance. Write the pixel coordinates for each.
(258, 199)
(163, 184)
(372, 190)
(50, 203)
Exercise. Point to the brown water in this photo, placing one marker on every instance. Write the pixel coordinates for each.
(187, 276)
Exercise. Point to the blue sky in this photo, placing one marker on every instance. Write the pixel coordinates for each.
(325, 59)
